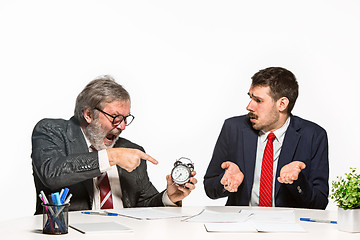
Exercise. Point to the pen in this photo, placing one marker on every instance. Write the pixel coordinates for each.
(57, 198)
(63, 195)
(45, 201)
(53, 200)
(44, 197)
(317, 220)
(61, 192)
(101, 213)
(68, 199)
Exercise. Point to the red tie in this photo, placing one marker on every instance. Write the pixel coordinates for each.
(266, 179)
(104, 187)
(105, 192)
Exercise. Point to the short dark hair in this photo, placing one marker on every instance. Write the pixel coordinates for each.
(282, 83)
(96, 94)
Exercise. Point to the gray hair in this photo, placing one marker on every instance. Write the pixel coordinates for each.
(96, 94)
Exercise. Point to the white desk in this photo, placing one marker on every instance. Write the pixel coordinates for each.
(174, 229)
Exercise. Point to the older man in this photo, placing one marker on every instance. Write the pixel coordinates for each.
(87, 155)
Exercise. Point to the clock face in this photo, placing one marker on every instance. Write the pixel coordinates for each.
(180, 174)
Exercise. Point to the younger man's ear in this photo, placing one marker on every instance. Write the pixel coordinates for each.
(283, 103)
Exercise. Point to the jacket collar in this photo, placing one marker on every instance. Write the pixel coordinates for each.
(79, 145)
(291, 140)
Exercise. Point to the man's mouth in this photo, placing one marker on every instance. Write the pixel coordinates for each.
(252, 116)
(110, 138)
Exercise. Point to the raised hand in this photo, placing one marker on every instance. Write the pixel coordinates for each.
(290, 172)
(178, 193)
(232, 178)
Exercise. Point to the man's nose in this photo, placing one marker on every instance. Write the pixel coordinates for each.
(249, 106)
(121, 126)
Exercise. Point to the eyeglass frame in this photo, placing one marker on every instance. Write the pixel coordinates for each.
(114, 117)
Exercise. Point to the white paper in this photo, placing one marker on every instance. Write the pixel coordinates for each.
(251, 226)
(273, 216)
(265, 220)
(146, 213)
(208, 216)
(279, 227)
(231, 227)
(100, 227)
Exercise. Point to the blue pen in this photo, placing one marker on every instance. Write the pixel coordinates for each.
(101, 213)
(53, 199)
(57, 198)
(63, 195)
(317, 220)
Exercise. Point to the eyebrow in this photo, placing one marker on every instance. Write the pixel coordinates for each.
(252, 95)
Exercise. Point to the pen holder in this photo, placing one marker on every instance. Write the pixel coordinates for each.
(55, 218)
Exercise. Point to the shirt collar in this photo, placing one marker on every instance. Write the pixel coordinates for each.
(87, 141)
(279, 133)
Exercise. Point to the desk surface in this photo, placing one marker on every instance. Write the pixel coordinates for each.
(30, 227)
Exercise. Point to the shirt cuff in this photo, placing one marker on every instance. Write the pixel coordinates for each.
(104, 164)
(166, 200)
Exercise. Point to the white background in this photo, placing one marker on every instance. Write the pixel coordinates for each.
(187, 65)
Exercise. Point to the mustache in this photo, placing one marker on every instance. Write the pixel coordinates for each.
(115, 132)
(252, 115)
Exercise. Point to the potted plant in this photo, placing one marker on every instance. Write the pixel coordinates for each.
(346, 193)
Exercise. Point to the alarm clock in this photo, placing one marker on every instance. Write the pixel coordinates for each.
(181, 171)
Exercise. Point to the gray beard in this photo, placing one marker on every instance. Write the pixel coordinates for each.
(95, 134)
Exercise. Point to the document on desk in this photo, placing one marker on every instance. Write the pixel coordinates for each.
(266, 215)
(146, 213)
(259, 221)
(251, 226)
(208, 216)
(100, 227)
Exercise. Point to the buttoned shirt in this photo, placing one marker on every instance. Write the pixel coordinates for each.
(261, 144)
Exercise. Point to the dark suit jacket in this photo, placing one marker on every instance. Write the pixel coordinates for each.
(60, 158)
(304, 141)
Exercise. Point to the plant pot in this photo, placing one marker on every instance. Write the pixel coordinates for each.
(348, 220)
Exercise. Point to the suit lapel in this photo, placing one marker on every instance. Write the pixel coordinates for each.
(288, 149)
(79, 145)
(250, 138)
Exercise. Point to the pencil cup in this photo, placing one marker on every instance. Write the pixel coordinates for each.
(55, 218)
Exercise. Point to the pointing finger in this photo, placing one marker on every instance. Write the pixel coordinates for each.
(148, 158)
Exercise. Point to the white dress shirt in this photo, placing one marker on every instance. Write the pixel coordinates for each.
(277, 144)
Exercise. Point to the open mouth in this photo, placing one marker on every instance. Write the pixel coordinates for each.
(252, 116)
(110, 138)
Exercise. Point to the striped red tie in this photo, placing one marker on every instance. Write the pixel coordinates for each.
(105, 192)
(104, 187)
(266, 179)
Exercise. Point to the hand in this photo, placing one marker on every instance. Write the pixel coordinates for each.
(232, 178)
(290, 172)
(178, 193)
(128, 158)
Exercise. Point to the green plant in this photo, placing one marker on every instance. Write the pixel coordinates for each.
(346, 191)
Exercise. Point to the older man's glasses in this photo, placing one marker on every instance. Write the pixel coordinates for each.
(116, 120)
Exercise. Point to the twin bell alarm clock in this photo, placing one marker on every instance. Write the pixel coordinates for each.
(181, 171)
